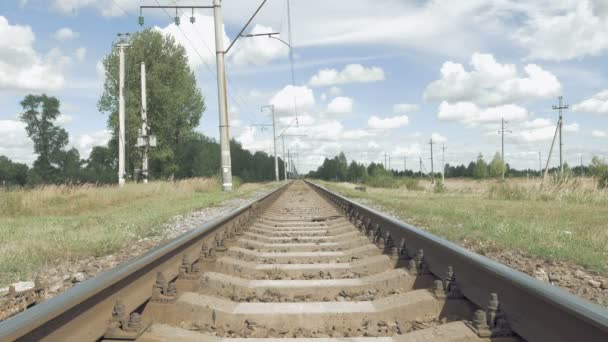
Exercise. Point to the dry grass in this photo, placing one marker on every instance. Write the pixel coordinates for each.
(42, 225)
(79, 199)
(566, 221)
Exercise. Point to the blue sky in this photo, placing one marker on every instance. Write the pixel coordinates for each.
(370, 78)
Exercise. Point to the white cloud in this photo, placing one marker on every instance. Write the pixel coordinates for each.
(566, 34)
(599, 134)
(257, 50)
(65, 33)
(597, 104)
(387, 123)
(81, 54)
(356, 134)
(340, 105)
(542, 133)
(352, 73)
(64, 119)
(470, 114)
(15, 144)
(537, 123)
(404, 108)
(255, 142)
(328, 130)
(107, 8)
(100, 70)
(438, 138)
(21, 67)
(411, 150)
(335, 91)
(491, 83)
(85, 142)
(283, 100)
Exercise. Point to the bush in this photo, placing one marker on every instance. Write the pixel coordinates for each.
(382, 181)
(600, 170)
(504, 191)
(412, 184)
(388, 181)
(439, 188)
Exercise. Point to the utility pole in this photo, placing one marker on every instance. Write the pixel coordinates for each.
(289, 162)
(385, 164)
(432, 170)
(226, 164)
(144, 124)
(389, 162)
(560, 123)
(582, 170)
(284, 160)
(551, 150)
(443, 163)
(420, 167)
(274, 139)
(540, 165)
(283, 135)
(121, 108)
(502, 153)
(222, 100)
(145, 140)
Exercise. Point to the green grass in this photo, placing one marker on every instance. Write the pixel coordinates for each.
(567, 225)
(42, 226)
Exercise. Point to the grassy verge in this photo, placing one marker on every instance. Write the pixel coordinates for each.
(40, 226)
(569, 225)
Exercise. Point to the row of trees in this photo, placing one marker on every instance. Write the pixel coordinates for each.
(339, 169)
(174, 109)
(196, 156)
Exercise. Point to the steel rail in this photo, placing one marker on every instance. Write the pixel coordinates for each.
(534, 310)
(83, 312)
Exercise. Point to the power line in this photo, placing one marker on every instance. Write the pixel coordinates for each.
(239, 103)
(120, 8)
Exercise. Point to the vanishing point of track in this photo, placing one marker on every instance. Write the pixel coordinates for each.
(305, 264)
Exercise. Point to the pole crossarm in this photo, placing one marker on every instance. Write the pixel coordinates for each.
(176, 7)
(286, 128)
(270, 35)
(244, 27)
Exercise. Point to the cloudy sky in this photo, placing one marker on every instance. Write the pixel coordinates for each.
(371, 77)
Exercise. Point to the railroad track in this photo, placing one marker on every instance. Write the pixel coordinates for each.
(305, 264)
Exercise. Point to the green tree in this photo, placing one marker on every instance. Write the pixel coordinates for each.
(496, 166)
(356, 172)
(600, 170)
(175, 104)
(70, 166)
(481, 168)
(40, 113)
(101, 166)
(12, 173)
